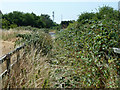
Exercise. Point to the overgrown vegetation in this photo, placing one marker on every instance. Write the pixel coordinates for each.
(32, 70)
(83, 54)
(10, 35)
(38, 39)
(34, 29)
(80, 56)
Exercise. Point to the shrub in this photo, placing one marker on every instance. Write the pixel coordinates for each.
(13, 26)
(87, 50)
(38, 40)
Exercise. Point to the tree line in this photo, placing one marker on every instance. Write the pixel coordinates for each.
(17, 18)
(106, 12)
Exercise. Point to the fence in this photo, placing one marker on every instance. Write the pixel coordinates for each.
(7, 58)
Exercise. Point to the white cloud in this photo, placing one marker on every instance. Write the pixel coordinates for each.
(59, 0)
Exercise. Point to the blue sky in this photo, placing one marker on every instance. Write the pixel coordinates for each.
(66, 10)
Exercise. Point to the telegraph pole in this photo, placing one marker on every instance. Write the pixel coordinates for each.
(53, 15)
(61, 17)
(61, 21)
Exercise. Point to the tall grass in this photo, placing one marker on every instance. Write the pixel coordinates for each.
(33, 68)
(10, 35)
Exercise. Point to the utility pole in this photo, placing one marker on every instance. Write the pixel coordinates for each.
(119, 9)
(53, 16)
(61, 17)
(61, 21)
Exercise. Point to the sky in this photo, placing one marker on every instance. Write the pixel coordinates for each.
(63, 9)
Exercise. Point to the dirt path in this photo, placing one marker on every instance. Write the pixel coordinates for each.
(6, 47)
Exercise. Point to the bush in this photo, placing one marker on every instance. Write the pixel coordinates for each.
(38, 40)
(13, 26)
(87, 51)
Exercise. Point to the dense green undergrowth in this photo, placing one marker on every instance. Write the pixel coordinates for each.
(86, 52)
(82, 55)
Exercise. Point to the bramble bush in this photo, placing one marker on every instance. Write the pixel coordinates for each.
(83, 54)
(87, 50)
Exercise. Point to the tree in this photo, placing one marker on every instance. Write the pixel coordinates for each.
(40, 23)
(5, 24)
(14, 17)
(85, 16)
(108, 13)
(17, 18)
(65, 24)
(46, 20)
(104, 12)
(28, 19)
